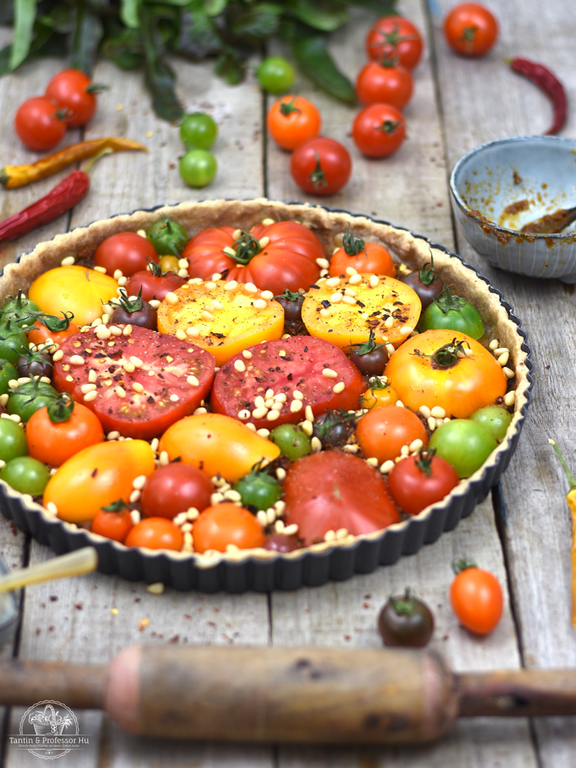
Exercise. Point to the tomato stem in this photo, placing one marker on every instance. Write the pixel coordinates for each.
(246, 247)
(318, 177)
(569, 475)
(463, 564)
(353, 244)
(61, 409)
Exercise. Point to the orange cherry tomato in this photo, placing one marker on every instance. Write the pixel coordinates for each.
(368, 257)
(379, 395)
(383, 431)
(54, 442)
(97, 476)
(224, 524)
(217, 444)
(40, 334)
(155, 533)
(469, 384)
(476, 598)
(113, 523)
(292, 120)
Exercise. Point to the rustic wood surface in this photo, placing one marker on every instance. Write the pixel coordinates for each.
(522, 533)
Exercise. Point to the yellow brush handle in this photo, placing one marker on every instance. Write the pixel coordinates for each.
(73, 564)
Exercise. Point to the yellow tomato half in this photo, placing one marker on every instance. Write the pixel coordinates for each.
(217, 444)
(73, 289)
(345, 310)
(97, 476)
(221, 317)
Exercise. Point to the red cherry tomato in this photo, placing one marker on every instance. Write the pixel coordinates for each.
(224, 524)
(114, 524)
(384, 84)
(155, 533)
(69, 89)
(476, 598)
(39, 123)
(378, 130)
(470, 29)
(175, 488)
(125, 251)
(321, 166)
(393, 38)
(417, 481)
(153, 286)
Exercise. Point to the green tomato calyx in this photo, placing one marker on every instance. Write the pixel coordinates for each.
(289, 295)
(318, 177)
(353, 244)
(287, 107)
(117, 506)
(61, 409)
(424, 460)
(53, 323)
(365, 347)
(428, 273)
(447, 355)
(130, 306)
(246, 247)
(403, 606)
(449, 302)
(463, 564)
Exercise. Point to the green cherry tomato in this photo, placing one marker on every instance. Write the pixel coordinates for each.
(17, 310)
(26, 475)
(29, 398)
(12, 440)
(454, 313)
(198, 167)
(463, 443)
(258, 489)
(12, 345)
(168, 237)
(292, 441)
(198, 131)
(276, 75)
(7, 373)
(495, 418)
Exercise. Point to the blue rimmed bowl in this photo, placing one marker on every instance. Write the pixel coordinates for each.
(499, 187)
(261, 570)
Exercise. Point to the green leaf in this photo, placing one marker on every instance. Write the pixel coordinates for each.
(324, 15)
(85, 39)
(214, 7)
(259, 22)
(378, 7)
(129, 13)
(123, 47)
(230, 68)
(160, 78)
(314, 60)
(24, 16)
(197, 38)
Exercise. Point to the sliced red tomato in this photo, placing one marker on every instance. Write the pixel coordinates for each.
(259, 384)
(331, 490)
(144, 381)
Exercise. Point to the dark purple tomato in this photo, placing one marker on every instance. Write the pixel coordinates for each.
(34, 364)
(279, 542)
(406, 621)
(426, 282)
(333, 428)
(369, 357)
(292, 303)
(135, 311)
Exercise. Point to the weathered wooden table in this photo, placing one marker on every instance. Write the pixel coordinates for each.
(522, 532)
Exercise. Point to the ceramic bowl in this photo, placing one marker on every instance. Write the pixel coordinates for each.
(259, 569)
(499, 187)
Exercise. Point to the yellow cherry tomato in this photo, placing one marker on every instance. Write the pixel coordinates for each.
(73, 289)
(379, 394)
(217, 444)
(97, 476)
(223, 318)
(345, 310)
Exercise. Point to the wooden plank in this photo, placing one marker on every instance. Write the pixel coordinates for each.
(504, 104)
(407, 189)
(30, 80)
(346, 614)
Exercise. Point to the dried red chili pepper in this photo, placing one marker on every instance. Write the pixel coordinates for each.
(12, 176)
(64, 196)
(549, 83)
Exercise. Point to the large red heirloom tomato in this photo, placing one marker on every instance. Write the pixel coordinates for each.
(272, 256)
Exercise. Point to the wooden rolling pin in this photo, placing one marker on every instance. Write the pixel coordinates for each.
(313, 695)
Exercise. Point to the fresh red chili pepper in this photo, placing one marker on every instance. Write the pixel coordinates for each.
(549, 83)
(64, 196)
